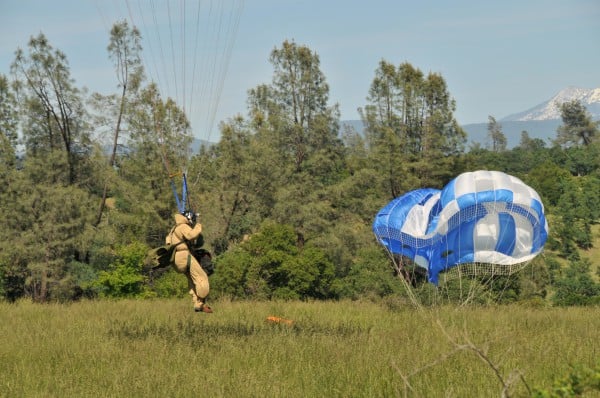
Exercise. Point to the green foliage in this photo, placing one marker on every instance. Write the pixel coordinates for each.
(47, 89)
(13, 277)
(547, 180)
(124, 278)
(496, 137)
(578, 127)
(83, 279)
(169, 284)
(577, 213)
(579, 381)
(535, 280)
(410, 128)
(229, 279)
(370, 275)
(576, 286)
(270, 265)
(8, 128)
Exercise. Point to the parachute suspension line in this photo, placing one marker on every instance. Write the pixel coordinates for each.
(184, 192)
(173, 58)
(195, 57)
(206, 50)
(160, 44)
(228, 51)
(154, 75)
(183, 59)
(230, 33)
(213, 73)
(398, 265)
(182, 201)
(103, 16)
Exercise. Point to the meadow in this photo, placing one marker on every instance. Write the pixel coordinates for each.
(161, 348)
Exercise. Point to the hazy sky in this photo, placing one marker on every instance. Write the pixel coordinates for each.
(497, 57)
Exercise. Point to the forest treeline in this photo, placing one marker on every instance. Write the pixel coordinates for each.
(286, 197)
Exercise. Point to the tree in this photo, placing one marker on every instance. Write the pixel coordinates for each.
(410, 128)
(442, 138)
(12, 267)
(235, 184)
(275, 267)
(8, 127)
(369, 275)
(547, 179)
(49, 207)
(124, 50)
(496, 137)
(49, 231)
(530, 144)
(300, 91)
(123, 278)
(53, 107)
(576, 286)
(387, 121)
(576, 217)
(578, 127)
(583, 160)
(292, 115)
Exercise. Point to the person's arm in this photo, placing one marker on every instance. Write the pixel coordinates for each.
(190, 233)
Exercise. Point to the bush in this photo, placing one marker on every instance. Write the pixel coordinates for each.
(124, 276)
(577, 287)
(580, 380)
(169, 284)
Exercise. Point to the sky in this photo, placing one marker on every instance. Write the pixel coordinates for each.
(497, 57)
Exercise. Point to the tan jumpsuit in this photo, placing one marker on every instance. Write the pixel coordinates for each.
(185, 263)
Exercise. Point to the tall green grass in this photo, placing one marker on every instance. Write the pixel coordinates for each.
(161, 348)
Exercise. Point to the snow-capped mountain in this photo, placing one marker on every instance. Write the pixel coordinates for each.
(549, 110)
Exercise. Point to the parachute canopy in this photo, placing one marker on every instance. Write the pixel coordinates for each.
(479, 217)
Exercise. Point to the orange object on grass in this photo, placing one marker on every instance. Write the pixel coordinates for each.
(276, 319)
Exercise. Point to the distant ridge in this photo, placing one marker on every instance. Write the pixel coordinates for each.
(477, 132)
(198, 143)
(542, 129)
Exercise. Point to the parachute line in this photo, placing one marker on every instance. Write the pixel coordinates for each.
(187, 60)
(187, 50)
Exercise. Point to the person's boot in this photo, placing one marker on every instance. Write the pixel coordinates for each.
(203, 308)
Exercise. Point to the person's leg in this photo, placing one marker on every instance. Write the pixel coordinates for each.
(200, 286)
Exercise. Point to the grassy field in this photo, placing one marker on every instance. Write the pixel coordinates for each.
(333, 349)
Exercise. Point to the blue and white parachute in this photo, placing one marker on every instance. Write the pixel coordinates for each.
(479, 217)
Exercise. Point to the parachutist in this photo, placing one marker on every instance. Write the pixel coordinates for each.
(188, 230)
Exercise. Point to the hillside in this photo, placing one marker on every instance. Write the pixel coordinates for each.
(477, 132)
(542, 129)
